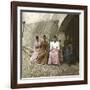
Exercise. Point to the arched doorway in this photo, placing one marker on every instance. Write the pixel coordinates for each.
(70, 27)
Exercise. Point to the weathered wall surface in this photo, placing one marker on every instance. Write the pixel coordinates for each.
(40, 24)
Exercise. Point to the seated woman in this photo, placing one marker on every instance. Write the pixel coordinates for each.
(37, 47)
(54, 52)
(43, 55)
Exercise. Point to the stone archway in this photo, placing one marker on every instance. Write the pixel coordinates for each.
(70, 27)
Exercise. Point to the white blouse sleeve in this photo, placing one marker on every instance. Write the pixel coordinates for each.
(51, 46)
(58, 46)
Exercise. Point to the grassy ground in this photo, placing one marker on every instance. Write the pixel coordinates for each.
(38, 70)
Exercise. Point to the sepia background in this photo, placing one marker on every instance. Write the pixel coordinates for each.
(65, 26)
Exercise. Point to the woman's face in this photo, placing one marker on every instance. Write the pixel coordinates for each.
(37, 38)
(55, 39)
(44, 38)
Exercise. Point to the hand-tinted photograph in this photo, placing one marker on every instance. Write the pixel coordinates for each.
(49, 44)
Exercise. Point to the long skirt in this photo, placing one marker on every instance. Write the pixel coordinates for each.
(42, 57)
(34, 56)
(39, 57)
(54, 57)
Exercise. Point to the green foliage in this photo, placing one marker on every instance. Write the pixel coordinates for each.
(39, 70)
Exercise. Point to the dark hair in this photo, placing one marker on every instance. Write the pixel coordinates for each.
(44, 36)
(55, 36)
(60, 40)
(37, 37)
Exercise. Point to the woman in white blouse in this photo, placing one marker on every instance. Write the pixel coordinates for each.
(54, 52)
